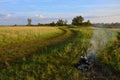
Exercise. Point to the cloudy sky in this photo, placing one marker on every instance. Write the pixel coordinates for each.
(45, 11)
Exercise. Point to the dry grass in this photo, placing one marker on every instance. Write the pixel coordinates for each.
(9, 35)
(11, 52)
(53, 63)
(56, 62)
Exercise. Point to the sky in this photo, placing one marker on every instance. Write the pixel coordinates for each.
(45, 11)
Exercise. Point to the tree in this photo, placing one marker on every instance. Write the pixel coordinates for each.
(87, 23)
(65, 22)
(39, 24)
(29, 22)
(15, 25)
(52, 24)
(60, 22)
(78, 20)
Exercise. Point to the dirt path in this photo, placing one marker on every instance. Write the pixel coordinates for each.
(13, 53)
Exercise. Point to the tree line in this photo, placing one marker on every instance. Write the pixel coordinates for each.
(76, 21)
(107, 25)
(60, 22)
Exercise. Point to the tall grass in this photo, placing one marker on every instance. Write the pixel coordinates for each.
(110, 57)
(56, 62)
(52, 63)
(11, 53)
(10, 35)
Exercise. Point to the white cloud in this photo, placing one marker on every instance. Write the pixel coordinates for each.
(8, 15)
(40, 16)
(104, 19)
(4, 16)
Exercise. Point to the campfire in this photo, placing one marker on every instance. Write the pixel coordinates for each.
(85, 63)
(87, 60)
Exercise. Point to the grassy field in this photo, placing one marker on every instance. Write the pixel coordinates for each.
(110, 57)
(12, 52)
(53, 57)
(10, 35)
(52, 63)
(106, 44)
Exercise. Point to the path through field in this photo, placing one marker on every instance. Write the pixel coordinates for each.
(15, 52)
(58, 55)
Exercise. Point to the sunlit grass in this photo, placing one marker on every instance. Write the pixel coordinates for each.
(57, 62)
(10, 35)
(110, 56)
(52, 63)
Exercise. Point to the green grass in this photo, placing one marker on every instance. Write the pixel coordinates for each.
(11, 35)
(12, 52)
(52, 63)
(54, 58)
(110, 57)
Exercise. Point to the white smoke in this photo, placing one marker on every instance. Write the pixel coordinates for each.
(100, 39)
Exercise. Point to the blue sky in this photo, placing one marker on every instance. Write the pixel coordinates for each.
(45, 11)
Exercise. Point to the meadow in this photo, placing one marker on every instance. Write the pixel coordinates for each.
(53, 57)
(10, 35)
(109, 57)
(14, 52)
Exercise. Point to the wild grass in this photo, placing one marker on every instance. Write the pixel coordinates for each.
(10, 35)
(52, 63)
(11, 53)
(56, 58)
(110, 57)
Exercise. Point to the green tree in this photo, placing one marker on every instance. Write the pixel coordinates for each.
(60, 22)
(65, 22)
(52, 24)
(15, 25)
(78, 20)
(87, 23)
(29, 22)
(39, 24)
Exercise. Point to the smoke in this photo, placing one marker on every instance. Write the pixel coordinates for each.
(100, 40)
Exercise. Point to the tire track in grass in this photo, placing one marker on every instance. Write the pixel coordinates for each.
(14, 53)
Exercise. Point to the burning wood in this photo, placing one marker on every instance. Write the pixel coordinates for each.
(85, 63)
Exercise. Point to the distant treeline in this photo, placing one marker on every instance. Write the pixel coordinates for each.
(108, 25)
(60, 22)
(76, 21)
